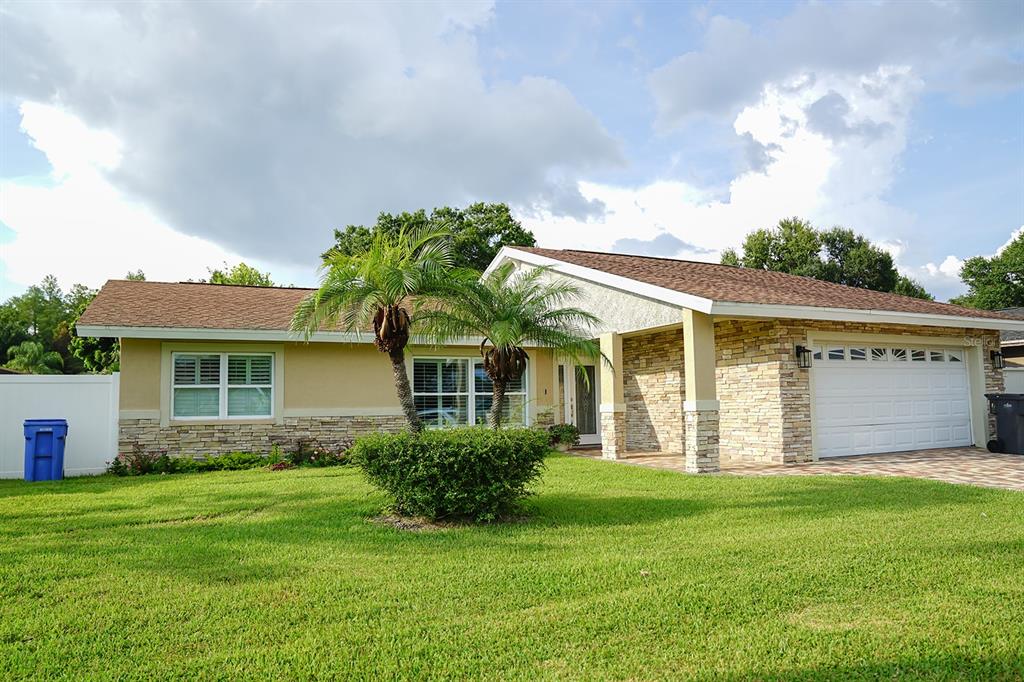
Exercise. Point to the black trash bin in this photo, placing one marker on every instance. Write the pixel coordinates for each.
(1009, 411)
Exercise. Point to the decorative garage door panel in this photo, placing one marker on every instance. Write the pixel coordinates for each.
(887, 399)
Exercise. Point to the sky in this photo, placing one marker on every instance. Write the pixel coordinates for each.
(174, 137)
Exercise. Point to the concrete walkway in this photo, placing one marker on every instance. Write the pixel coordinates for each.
(972, 466)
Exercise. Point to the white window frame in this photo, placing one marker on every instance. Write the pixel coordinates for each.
(472, 393)
(222, 386)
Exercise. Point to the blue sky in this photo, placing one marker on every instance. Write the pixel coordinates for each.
(173, 137)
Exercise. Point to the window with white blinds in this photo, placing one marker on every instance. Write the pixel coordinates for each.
(457, 392)
(223, 385)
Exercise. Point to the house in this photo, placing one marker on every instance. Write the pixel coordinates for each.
(1012, 341)
(706, 360)
(1013, 353)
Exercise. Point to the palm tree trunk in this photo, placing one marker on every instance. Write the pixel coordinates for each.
(404, 391)
(497, 405)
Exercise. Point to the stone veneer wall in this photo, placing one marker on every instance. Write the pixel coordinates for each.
(653, 387)
(747, 376)
(203, 439)
(766, 399)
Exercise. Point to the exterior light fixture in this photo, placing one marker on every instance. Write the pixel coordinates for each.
(997, 359)
(803, 357)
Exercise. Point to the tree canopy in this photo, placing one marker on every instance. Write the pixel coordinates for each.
(997, 281)
(509, 312)
(30, 357)
(241, 274)
(836, 255)
(383, 287)
(477, 232)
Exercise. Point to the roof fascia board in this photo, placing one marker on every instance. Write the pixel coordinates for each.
(626, 284)
(203, 334)
(726, 309)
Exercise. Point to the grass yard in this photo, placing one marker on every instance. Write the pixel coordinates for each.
(621, 573)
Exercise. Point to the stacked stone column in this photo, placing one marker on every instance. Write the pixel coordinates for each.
(701, 440)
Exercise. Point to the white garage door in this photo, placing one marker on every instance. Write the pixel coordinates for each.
(889, 398)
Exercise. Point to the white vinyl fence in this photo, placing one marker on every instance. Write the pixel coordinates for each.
(90, 404)
(1014, 379)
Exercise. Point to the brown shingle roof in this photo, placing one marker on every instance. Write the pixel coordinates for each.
(744, 285)
(123, 303)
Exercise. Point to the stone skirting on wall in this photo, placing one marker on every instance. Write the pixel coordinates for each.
(202, 439)
(702, 440)
(653, 386)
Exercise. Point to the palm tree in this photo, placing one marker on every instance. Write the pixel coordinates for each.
(32, 357)
(511, 311)
(380, 286)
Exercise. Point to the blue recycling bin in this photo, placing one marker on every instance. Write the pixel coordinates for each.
(44, 449)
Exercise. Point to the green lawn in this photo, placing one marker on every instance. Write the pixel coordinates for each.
(621, 573)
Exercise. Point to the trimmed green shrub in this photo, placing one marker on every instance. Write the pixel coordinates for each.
(564, 434)
(473, 473)
(139, 463)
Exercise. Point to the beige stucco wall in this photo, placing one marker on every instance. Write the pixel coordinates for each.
(140, 374)
(320, 379)
(328, 377)
(765, 412)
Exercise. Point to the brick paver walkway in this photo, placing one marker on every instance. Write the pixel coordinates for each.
(971, 466)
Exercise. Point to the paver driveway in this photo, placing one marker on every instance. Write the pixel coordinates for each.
(972, 466)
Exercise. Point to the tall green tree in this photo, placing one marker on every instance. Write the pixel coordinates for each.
(383, 287)
(995, 282)
(477, 232)
(31, 357)
(241, 274)
(97, 355)
(509, 312)
(836, 255)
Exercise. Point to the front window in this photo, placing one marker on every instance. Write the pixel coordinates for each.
(457, 392)
(222, 385)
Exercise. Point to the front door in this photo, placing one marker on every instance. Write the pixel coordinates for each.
(581, 405)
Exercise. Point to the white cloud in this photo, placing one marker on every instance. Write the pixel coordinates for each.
(959, 40)
(812, 173)
(943, 279)
(83, 229)
(1013, 236)
(262, 126)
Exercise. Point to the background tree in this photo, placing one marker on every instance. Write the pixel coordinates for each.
(136, 276)
(241, 274)
(97, 355)
(837, 255)
(477, 232)
(31, 357)
(511, 312)
(995, 282)
(383, 287)
(47, 315)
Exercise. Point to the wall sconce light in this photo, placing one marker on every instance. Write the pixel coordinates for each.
(997, 359)
(803, 357)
